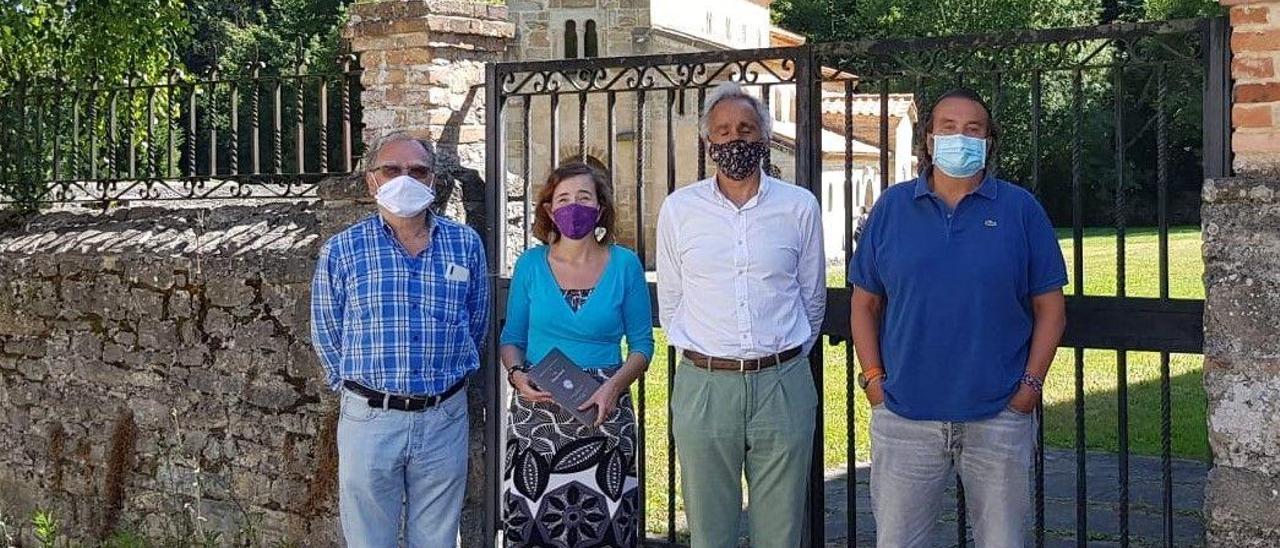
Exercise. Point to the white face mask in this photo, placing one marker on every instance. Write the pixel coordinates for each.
(405, 196)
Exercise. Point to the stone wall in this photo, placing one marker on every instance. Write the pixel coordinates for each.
(1242, 359)
(156, 369)
(156, 366)
(1240, 217)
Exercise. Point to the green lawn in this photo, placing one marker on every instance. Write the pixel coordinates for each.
(1189, 435)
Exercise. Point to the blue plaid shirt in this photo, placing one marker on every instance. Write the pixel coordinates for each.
(396, 323)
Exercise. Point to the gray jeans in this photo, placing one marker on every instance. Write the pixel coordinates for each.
(913, 462)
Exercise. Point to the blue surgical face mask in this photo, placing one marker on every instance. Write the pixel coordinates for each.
(959, 155)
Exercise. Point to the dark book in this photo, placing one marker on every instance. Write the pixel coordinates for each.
(568, 384)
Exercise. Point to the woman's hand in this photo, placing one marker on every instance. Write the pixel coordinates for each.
(605, 400)
(527, 390)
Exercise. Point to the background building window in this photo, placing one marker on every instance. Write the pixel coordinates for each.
(570, 39)
(590, 44)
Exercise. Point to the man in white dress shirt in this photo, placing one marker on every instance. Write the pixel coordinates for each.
(741, 294)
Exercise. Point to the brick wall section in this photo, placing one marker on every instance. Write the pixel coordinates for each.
(423, 67)
(1255, 114)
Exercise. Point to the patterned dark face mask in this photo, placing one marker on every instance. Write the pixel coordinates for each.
(738, 159)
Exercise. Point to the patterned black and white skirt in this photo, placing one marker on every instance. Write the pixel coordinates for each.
(567, 485)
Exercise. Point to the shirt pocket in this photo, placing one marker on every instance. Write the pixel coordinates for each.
(445, 300)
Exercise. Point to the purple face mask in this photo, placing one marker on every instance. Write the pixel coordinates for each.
(575, 221)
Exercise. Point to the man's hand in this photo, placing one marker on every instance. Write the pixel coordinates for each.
(875, 392)
(605, 400)
(1024, 400)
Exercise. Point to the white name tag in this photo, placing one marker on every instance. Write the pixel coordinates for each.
(455, 273)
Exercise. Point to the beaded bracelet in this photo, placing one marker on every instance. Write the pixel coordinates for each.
(1035, 383)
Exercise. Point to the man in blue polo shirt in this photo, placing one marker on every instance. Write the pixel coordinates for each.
(957, 312)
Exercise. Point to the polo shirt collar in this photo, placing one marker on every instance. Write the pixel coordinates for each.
(988, 189)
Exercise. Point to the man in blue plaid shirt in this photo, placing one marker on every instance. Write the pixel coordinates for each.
(399, 308)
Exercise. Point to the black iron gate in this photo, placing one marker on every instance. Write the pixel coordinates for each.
(1110, 126)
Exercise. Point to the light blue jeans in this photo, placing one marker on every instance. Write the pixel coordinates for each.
(913, 462)
(401, 473)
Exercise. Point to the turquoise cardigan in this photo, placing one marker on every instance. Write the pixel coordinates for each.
(539, 319)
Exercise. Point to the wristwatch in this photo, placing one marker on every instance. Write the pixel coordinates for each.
(513, 369)
(864, 379)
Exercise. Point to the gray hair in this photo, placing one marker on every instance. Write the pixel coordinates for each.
(728, 91)
(371, 152)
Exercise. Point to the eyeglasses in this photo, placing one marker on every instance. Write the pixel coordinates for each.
(418, 171)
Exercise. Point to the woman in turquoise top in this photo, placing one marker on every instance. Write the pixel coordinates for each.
(566, 483)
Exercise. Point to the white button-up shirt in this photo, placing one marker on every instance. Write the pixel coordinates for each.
(741, 282)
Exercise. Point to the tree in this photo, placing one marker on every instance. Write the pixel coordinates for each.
(88, 40)
(1005, 76)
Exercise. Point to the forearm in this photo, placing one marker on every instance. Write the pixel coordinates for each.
(511, 356)
(479, 325)
(816, 325)
(331, 376)
(815, 309)
(631, 370)
(325, 337)
(669, 295)
(1046, 334)
(813, 279)
(865, 323)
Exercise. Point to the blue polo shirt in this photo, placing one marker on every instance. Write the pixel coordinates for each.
(957, 321)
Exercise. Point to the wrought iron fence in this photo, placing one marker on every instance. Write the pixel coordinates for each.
(266, 132)
(1108, 125)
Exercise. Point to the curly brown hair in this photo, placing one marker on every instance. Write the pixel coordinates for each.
(544, 229)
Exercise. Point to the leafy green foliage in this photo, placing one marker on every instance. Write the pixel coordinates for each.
(46, 528)
(88, 40)
(74, 101)
(1109, 97)
(229, 34)
(827, 20)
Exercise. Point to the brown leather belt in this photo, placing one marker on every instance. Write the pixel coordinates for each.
(730, 364)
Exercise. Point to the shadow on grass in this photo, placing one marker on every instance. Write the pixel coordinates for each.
(1101, 404)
